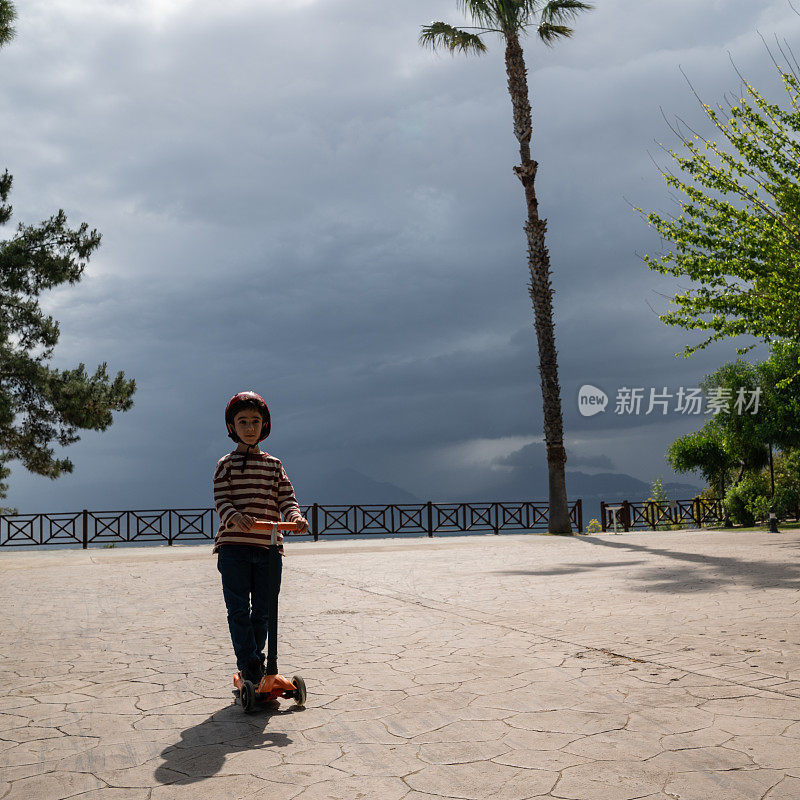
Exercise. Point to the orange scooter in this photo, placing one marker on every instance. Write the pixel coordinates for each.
(270, 687)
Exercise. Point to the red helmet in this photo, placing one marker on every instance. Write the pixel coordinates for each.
(247, 400)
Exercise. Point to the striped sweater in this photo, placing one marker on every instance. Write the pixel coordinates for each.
(263, 490)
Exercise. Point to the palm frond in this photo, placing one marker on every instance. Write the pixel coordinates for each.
(560, 10)
(441, 34)
(510, 14)
(481, 11)
(549, 33)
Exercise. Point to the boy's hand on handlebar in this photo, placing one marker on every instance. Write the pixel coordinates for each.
(302, 524)
(243, 521)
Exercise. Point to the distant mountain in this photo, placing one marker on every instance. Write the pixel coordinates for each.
(531, 484)
(619, 486)
(347, 485)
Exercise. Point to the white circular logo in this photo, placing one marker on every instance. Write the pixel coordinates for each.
(591, 400)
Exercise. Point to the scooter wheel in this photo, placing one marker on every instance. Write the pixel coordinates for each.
(248, 695)
(299, 690)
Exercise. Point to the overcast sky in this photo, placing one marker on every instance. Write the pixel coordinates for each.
(296, 198)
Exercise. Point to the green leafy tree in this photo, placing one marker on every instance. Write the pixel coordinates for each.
(745, 434)
(703, 451)
(780, 399)
(41, 405)
(733, 437)
(511, 19)
(732, 450)
(742, 256)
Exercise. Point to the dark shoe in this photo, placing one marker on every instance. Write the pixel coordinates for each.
(268, 669)
(253, 671)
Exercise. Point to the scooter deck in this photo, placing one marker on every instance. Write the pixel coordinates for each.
(269, 687)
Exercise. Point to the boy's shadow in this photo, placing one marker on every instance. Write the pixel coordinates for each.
(203, 748)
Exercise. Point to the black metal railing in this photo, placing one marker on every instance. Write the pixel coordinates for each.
(197, 524)
(627, 516)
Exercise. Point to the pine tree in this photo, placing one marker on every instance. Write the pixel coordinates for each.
(39, 405)
(7, 15)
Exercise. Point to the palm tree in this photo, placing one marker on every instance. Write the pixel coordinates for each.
(510, 18)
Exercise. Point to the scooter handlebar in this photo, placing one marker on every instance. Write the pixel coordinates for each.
(266, 525)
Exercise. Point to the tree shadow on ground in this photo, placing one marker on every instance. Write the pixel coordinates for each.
(567, 569)
(203, 748)
(709, 571)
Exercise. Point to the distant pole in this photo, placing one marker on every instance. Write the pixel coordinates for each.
(773, 520)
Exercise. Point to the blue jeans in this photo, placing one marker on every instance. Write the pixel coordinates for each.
(251, 574)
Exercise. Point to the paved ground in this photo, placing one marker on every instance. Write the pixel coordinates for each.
(649, 665)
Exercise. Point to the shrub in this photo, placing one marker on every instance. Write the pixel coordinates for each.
(594, 526)
(787, 483)
(745, 501)
(658, 496)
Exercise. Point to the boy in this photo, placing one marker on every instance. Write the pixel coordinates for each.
(250, 484)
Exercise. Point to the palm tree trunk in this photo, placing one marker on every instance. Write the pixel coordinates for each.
(540, 290)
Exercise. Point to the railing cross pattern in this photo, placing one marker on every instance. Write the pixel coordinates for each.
(376, 517)
(480, 515)
(62, 528)
(446, 517)
(104, 523)
(411, 517)
(188, 523)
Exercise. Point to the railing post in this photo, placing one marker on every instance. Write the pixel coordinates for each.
(651, 514)
(603, 516)
(430, 518)
(496, 509)
(85, 529)
(315, 521)
(696, 511)
(580, 515)
(169, 526)
(626, 516)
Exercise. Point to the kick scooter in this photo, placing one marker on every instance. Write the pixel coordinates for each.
(270, 687)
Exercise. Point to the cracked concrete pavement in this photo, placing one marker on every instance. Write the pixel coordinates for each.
(661, 665)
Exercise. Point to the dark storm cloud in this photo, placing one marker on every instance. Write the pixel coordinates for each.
(296, 198)
(533, 455)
